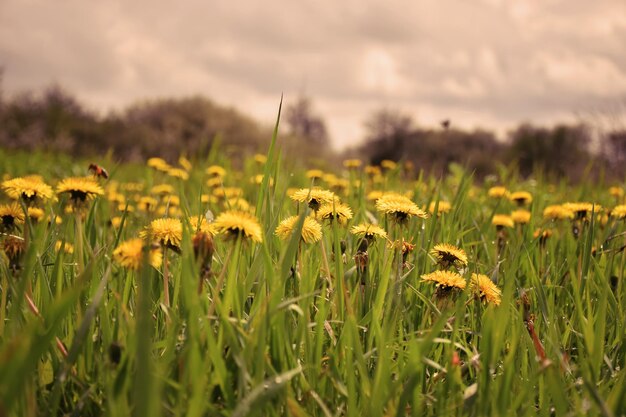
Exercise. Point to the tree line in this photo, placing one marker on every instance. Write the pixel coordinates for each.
(571, 151)
(56, 121)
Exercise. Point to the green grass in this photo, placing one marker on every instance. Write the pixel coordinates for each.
(269, 336)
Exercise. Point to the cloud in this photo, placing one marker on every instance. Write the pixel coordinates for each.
(483, 62)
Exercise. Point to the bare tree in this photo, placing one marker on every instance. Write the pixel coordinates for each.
(562, 151)
(387, 132)
(607, 124)
(304, 123)
(615, 143)
(386, 124)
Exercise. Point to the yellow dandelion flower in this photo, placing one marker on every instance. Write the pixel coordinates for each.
(216, 171)
(238, 223)
(206, 198)
(178, 173)
(214, 182)
(228, 192)
(129, 254)
(485, 289)
(168, 211)
(442, 208)
(352, 163)
(65, 246)
(399, 207)
(314, 174)
(542, 234)
(582, 209)
(258, 180)
(388, 164)
(314, 197)
(520, 216)
(34, 177)
(30, 189)
(372, 170)
(497, 192)
(369, 231)
(406, 246)
(158, 164)
(167, 231)
(446, 280)
(124, 207)
(36, 214)
(374, 195)
(237, 204)
(557, 212)
(448, 255)
(132, 186)
(603, 218)
(200, 224)
(116, 221)
(162, 189)
(502, 220)
(185, 163)
(79, 189)
(172, 200)
(616, 192)
(10, 216)
(329, 178)
(336, 211)
(147, 203)
(521, 198)
(545, 233)
(115, 197)
(339, 185)
(260, 159)
(619, 212)
(311, 229)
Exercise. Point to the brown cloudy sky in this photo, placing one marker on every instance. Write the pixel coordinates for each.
(490, 63)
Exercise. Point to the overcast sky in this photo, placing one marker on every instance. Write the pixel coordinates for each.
(481, 63)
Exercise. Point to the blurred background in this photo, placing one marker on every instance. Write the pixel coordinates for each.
(537, 83)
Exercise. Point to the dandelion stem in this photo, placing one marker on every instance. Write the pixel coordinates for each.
(220, 283)
(166, 279)
(78, 230)
(326, 265)
(3, 302)
(398, 233)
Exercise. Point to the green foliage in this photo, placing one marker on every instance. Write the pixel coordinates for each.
(289, 328)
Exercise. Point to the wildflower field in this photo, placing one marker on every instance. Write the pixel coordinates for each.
(201, 287)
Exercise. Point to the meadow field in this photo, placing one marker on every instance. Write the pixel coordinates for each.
(207, 286)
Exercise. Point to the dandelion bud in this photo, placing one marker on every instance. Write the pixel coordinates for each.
(361, 259)
(14, 247)
(115, 353)
(203, 249)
